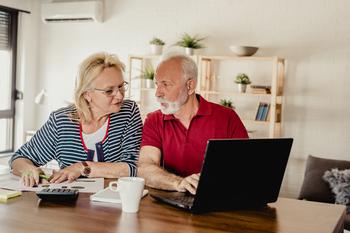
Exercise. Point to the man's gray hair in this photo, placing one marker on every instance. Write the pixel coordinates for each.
(189, 67)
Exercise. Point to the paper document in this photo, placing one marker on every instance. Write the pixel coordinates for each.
(107, 195)
(84, 185)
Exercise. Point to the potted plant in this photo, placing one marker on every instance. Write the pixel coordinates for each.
(227, 103)
(148, 76)
(190, 43)
(156, 45)
(242, 80)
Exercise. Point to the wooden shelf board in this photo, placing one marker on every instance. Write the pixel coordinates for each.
(244, 58)
(259, 122)
(234, 93)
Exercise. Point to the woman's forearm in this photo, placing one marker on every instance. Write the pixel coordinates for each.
(22, 164)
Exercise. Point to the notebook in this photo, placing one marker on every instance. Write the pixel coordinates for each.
(107, 195)
(236, 174)
(7, 194)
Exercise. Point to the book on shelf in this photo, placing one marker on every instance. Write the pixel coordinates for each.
(259, 112)
(265, 112)
(262, 112)
(260, 89)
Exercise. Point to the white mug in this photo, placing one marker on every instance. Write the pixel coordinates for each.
(130, 191)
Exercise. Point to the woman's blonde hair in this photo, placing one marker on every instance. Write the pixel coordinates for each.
(89, 69)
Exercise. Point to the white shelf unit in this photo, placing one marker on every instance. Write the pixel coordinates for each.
(273, 75)
(210, 72)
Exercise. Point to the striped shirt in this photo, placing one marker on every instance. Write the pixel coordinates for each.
(60, 138)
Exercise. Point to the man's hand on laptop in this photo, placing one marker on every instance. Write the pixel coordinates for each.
(189, 184)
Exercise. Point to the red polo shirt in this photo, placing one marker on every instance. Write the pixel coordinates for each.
(183, 149)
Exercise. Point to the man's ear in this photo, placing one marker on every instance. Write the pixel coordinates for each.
(191, 86)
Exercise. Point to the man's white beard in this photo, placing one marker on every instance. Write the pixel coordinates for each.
(172, 107)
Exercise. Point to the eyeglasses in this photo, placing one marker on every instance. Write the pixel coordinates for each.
(110, 92)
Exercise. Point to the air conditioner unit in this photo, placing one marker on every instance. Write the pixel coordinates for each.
(78, 11)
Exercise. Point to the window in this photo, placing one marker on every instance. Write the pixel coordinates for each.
(8, 39)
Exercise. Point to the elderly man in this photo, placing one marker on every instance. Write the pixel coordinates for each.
(175, 137)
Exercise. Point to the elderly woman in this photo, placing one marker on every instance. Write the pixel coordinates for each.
(97, 136)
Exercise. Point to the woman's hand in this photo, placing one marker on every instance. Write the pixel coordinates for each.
(31, 176)
(69, 173)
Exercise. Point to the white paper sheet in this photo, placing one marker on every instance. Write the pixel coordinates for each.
(84, 185)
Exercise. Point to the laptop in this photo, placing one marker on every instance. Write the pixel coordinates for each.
(236, 174)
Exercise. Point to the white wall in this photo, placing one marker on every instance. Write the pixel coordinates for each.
(17, 4)
(312, 35)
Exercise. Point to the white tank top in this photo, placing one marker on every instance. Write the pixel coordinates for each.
(91, 139)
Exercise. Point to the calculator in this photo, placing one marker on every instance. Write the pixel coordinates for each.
(58, 194)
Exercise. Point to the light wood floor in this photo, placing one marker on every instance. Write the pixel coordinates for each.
(291, 182)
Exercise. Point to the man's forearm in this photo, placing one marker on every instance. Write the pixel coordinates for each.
(157, 177)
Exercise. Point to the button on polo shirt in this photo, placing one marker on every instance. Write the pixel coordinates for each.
(183, 149)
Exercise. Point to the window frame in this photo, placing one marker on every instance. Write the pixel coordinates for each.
(10, 113)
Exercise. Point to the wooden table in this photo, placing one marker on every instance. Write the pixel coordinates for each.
(28, 214)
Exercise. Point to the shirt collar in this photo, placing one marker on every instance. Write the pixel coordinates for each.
(204, 109)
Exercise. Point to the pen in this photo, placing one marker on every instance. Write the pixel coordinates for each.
(44, 177)
(82, 180)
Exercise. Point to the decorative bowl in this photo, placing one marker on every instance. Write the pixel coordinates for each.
(244, 50)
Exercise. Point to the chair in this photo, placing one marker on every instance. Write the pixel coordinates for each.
(314, 188)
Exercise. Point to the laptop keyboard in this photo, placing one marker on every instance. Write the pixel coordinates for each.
(183, 198)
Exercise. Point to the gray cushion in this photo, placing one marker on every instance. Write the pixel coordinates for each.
(314, 188)
(339, 182)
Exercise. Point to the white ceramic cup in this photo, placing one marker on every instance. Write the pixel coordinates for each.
(130, 191)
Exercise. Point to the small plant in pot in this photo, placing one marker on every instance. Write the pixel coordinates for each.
(227, 103)
(148, 76)
(242, 80)
(157, 46)
(190, 43)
